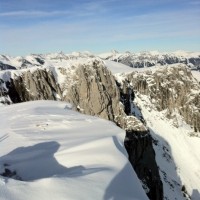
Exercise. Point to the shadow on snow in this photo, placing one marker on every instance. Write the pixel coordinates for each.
(38, 161)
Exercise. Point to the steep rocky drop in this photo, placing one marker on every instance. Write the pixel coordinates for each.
(103, 96)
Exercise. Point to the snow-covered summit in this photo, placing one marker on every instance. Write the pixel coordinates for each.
(51, 151)
(41, 60)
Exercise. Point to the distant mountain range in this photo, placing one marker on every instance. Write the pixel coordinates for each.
(135, 60)
(152, 58)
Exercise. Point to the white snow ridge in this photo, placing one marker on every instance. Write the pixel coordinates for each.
(53, 152)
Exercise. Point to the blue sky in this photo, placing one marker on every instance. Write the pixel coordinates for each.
(42, 26)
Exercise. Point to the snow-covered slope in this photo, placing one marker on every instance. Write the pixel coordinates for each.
(116, 68)
(60, 154)
(196, 75)
(177, 152)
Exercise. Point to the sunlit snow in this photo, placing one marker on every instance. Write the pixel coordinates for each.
(58, 153)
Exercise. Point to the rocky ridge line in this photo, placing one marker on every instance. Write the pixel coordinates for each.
(172, 89)
(149, 59)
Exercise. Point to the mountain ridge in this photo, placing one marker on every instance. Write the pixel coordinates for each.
(126, 96)
(137, 60)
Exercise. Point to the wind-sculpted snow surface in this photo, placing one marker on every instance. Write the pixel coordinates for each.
(49, 151)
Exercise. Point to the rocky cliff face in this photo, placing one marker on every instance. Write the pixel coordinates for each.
(6, 66)
(172, 89)
(94, 91)
(98, 93)
(142, 157)
(138, 144)
(30, 86)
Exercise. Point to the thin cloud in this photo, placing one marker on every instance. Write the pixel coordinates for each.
(84, 9)
(23, 13)
(38, 14)
(160, 25)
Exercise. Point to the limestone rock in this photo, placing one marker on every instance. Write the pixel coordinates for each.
(29, 86)
(96, 92)
(171, 88)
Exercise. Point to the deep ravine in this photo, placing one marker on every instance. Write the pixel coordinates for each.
(139, 146)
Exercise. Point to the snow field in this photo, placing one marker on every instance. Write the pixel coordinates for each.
(61, 154)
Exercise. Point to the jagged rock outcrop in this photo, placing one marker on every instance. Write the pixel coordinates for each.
(4, 66)
(142, 157)
(30, 86)
(94, 91)
(171, 89)
(9, 173)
